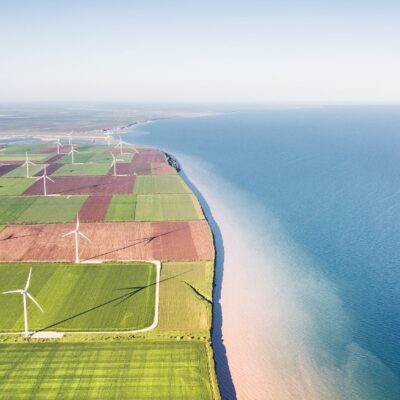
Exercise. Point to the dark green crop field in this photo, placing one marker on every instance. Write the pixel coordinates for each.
(79, 297)
(128, 370)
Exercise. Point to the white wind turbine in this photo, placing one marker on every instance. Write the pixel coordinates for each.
(76, 232)
(71, 153)
(120, 142)
(45, 178)
(69, 137)
(58, 143)
(108, 138)
(114, 164)
(27, 163)
(26, 294)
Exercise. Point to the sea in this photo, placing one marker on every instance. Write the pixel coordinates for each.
(304, 202)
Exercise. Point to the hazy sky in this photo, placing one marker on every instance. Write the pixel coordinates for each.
(280, 50)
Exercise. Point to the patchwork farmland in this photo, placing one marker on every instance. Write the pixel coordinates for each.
(136, 213)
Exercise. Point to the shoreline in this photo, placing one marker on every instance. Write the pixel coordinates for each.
(224, 377)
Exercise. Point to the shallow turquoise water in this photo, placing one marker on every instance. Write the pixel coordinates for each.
(331, 177)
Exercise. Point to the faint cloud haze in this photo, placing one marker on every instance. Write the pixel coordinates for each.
(206, 51)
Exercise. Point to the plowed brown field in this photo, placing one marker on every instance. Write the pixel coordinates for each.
(163, 241)
(90, 185)
(95, 208)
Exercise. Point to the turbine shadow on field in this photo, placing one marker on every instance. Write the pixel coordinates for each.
(136, 242)
(118, 300)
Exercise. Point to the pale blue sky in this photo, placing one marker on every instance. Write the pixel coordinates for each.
(200, 51)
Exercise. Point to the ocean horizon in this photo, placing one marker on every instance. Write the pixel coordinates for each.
(306, 201)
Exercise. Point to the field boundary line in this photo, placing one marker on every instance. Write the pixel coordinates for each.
(154, 324)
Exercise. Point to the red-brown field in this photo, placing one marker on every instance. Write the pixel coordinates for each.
(155, 157)
(89, 185)
(162, 169)
(53, 159)
(109, 241)
(50, 169)
(95, 208)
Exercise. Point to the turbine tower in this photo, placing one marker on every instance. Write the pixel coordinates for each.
(58, 143)
(27, 163)
(25, 294)
(108, 138)
(71, 153)
(114, 164)
(76, 232)
(45, 178)
(69, 137)
(120, 142)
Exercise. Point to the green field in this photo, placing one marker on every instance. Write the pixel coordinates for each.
(82, 169)
(185, 296)
(89, 156)
(81, 157)
(167, 207)
(20, 172)
(21, 157)
(40, 209)
(25, 147)
(151, 370)
(107, 157)
(14, 186)
(153, 184)
(77, 297)
(122, 208)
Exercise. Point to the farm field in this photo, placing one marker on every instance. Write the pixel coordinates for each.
(39, 209)
(138, 370)
(167, 207)
(20, 172)
(89, 185)
(125, 241)
(80, 297)
(20, 157)
(153, 184)
(122, 208)
(186, 296)
(82, 169)
(15, 186)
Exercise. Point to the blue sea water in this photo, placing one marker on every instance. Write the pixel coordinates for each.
(331, 177)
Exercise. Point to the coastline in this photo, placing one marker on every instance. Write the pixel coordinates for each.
(224, 378)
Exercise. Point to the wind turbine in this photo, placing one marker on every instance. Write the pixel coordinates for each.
(76, 232)
(69, 137)
(108, 138)
(58, 143)
(114, 164)
(45, 177)
(71, 153)
(119, 145)
(26, 294)
(27, 163)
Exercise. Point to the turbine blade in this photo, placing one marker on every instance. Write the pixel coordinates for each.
(84, 236)
(33, 299)
(13, 291)
(49, 179)
(29, 279)
(69, 233)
